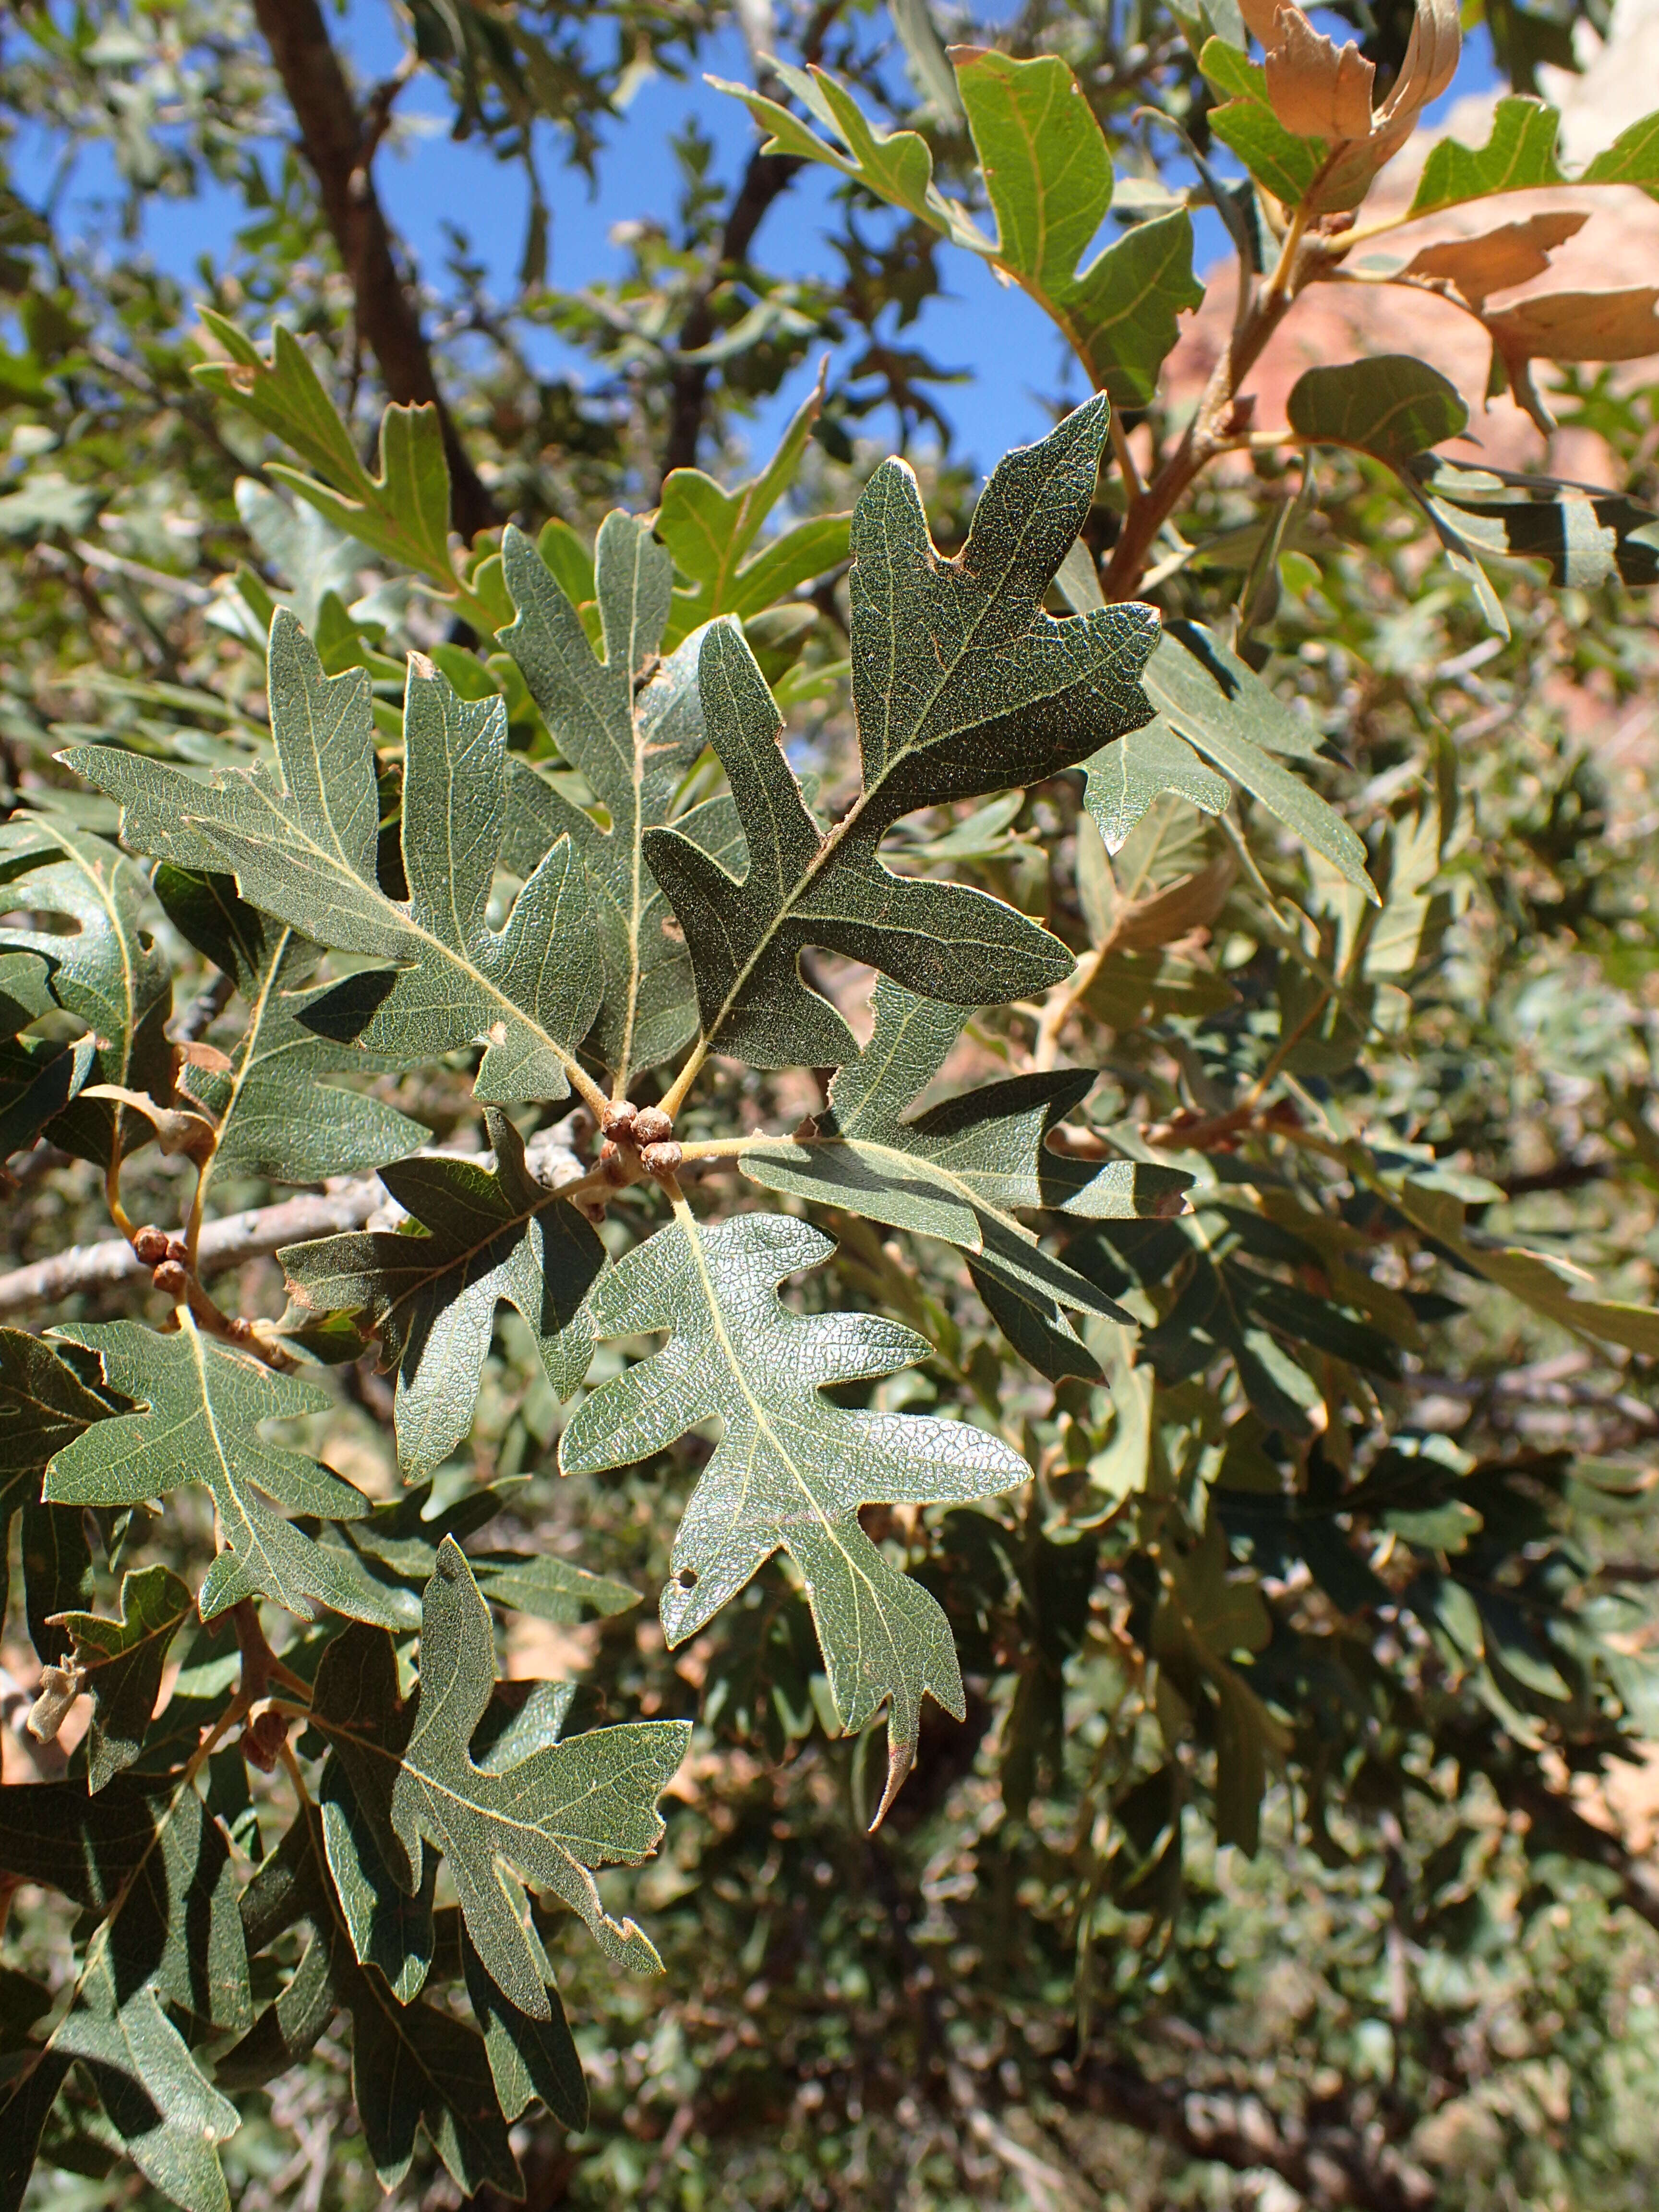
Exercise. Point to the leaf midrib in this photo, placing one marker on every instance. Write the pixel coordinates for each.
(269, 1568)
(128, 991)
(242, 1073)
(448, 1793)
(764, 1427)
(423, 937)
(834, 839)
(519, 1221)
(901, 1158)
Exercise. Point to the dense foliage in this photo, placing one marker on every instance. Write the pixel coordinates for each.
(1029, 1110)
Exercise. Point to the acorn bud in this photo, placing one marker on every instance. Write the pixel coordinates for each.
(652, 1125)
(619, 1120)
(171, 1278)
(151, 1246)
(263, 1740)
(661, 1159)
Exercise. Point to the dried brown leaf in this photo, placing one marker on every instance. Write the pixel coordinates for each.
(1430, 64)
(1497, 259)
(1318, 89)
(1568, 326)
(176, 1130)
(1579, 327)
(1263, 17)
(1190, 903)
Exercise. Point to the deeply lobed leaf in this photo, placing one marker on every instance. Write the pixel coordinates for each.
(305, 851)
(791, 1467)
(432, 1297)
(199, 1406)
(553, 1814)
(961, 686)
(965, 1169)
(634, 740)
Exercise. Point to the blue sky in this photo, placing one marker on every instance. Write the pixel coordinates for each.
(425, 180)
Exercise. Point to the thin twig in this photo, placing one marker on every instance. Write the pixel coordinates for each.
(226, 1243)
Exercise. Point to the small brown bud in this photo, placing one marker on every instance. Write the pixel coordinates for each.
(592, 1209)
(613, 1166)
(263, 1740)
(661, 1159)
(151, 1246)
(171, 1278)
(178, 1250)
(238, 1330)
(619, 1120)
(652, 1125)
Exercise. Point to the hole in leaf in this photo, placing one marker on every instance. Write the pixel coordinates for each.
(687, 1578)
(43, 921)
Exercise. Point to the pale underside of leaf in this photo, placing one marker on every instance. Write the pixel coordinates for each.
(551, 1816)
(791, 1469)
(199, 1408)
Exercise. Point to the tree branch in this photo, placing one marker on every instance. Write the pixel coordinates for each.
(766, 177)
(1329, 2165)
(339, 143)
(1305, 256)
(226, 1243)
